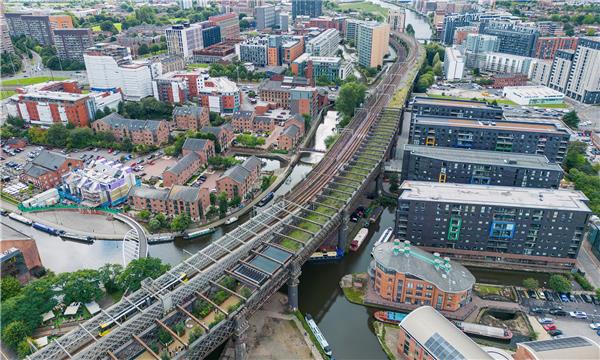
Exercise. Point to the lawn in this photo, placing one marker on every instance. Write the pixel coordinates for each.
(118, 26)
(552, 106)
(499, 101)
(365, 7)
(6, 94)
(195, 66)
(30, 81)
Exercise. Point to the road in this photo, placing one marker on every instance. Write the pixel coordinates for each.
(589, 264)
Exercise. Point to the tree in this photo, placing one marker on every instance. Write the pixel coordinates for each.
(223, 204)
(80, 137)
(235, 201)
(437, 68)
(164, 337)
(37, 135)
(108, 276)
(559, 283)
(108, 25)
(162, 219)
(213, 198)
(140, 269)
(81, 286)
(9, 287)
(476, 72)
(24, 349)
(58, 135)
(180, 222)
(14, 333)
(410, 30)
(351, 95)
(571, 119)
(153, 225)
(531, 283)
(143, 49)
(144, 214)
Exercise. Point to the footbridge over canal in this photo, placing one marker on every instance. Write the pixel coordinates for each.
(208, 298)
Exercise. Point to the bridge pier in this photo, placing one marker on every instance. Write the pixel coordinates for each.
(341, 235)
(239, 338)
(292, 285)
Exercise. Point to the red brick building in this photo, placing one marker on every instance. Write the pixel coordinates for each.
(405, 274)
(148, 132)
(195, 155)
(179, 199)
(52, 102)
(545, 47)
(191, 117)
(289, 138)
(240, 180)
(46, 170)
(223, 133)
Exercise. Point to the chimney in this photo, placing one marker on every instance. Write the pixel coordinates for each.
(406, 247)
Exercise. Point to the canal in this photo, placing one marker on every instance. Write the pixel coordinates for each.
(347, 327)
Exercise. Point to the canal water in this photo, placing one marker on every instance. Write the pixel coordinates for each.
(347, 327)
(419, 22)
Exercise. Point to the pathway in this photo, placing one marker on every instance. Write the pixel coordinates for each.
(588, 263)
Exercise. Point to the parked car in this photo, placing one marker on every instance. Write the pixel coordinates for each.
(586, 298)
(541, 295)
(578, 314)
(544, 321)
(595, 326)
(554, 333)
(538, 310)
(558, 312)
(549, 327)
(564, 298)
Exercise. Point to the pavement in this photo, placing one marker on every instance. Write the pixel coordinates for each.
(589, 264)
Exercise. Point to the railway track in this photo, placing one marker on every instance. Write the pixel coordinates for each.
(353, 135)
(347, 145)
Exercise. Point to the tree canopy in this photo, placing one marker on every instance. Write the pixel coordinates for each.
(559, 283)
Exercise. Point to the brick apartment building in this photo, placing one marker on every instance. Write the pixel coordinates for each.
(223, 133)
(189, 200)
(240, 180)
(405, 274)
(191, 117)
(46, 170)
(147, 132)
(195, 155)
(289, 138)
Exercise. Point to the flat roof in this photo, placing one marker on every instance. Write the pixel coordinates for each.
(559, 199)
(533, 91)
(440, 337)
(449, 277)
(499, 158)
(454, 102)
(575, 347)
(487, 124)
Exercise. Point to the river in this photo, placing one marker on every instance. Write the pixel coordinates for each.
(419, 22)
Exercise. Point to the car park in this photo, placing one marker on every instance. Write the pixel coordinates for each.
(545, 321)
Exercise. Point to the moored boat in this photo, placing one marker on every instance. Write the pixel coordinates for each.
(390, 317)
(359, 239)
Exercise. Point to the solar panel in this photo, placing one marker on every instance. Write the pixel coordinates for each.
(276, 254)
(557, 344)
(441, 349)
(251, 273)
(264, 264)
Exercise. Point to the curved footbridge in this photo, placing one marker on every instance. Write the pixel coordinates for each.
(215, 291)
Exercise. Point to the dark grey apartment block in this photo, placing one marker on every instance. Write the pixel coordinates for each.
(514, 38)
(310, 8)
(466, 166)
(497, 226)
(455, 108)
(72, 43)
(543, 138)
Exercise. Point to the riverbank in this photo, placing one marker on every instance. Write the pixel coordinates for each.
(387, 335)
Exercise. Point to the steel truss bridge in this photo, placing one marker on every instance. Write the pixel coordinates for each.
(259, 256)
